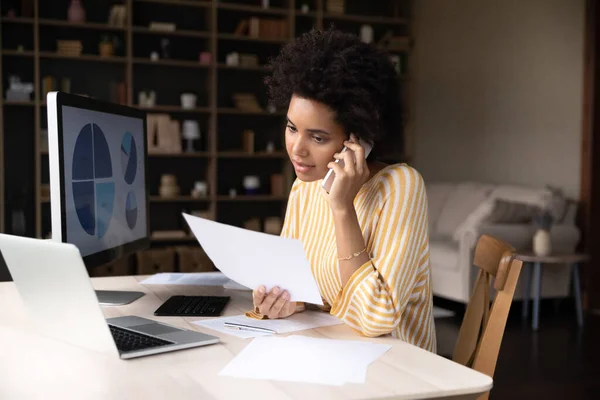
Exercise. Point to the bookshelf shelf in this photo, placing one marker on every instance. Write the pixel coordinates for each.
(253, 9)
(177, 32)
(186, 3)
(84, 25)
(248, 198)
(178, 199)
(231, 36)
(19, 103)
(170, 63)
(17, 20)
(82, 57)
(17, 53)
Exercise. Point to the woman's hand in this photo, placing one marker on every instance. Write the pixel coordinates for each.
(349, 179)
(275, 304)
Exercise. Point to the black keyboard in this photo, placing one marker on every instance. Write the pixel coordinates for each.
(193, 306)
(128, 341)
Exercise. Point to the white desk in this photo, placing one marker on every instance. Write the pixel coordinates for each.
(34, 367)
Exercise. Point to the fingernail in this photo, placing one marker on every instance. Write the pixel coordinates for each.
(261, 290)
(286, 296)
(276, 290)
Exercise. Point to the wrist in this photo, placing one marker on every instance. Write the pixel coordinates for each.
(342, 210)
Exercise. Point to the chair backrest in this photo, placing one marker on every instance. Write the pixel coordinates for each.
(483, 326)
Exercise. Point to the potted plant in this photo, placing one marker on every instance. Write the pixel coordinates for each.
(106, 48)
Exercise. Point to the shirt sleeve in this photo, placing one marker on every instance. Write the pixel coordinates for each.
(377, 294)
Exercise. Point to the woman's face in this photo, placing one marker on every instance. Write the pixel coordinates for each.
(312, 137)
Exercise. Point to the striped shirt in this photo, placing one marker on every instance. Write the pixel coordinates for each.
(391, 293)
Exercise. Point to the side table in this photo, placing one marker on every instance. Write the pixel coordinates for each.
(572, 259)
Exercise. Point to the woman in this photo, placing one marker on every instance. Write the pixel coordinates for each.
(366, 239)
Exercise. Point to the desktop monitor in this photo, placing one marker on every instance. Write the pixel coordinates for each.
(98, 195)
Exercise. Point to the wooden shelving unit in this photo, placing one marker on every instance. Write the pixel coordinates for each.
(201, 26)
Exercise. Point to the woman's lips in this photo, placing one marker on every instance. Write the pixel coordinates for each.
(301, 167)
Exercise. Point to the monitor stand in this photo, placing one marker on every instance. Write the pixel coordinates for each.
(117, 297)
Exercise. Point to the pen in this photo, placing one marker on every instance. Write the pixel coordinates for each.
(242, 327)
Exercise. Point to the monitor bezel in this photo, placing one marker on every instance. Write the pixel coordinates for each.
(65, 99)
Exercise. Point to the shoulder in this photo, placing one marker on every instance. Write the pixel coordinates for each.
(398, 180)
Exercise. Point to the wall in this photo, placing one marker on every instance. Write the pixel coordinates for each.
(498, 90)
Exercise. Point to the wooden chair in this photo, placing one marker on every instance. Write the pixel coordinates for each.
(483, 326)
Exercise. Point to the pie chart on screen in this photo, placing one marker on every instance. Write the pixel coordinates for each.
(128, 158)
(93, 181)
(131, 210)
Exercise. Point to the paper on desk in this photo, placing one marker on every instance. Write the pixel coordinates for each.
(233, 285)
(255, 258)
(305, 359)
(179, 278)
(297, 322)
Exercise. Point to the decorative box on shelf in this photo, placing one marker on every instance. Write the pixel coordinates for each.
(335, 6)
(193, 259)
(69, 48)
(153, 261)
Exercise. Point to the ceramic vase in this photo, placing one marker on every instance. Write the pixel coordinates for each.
(76, 12)
(542, 245)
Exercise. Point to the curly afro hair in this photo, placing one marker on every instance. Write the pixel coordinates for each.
(356, 80)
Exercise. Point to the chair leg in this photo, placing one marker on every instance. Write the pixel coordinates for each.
(577, 292)
(537, 288)
(526, 291)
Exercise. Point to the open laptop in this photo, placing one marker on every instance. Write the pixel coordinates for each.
(55, 287)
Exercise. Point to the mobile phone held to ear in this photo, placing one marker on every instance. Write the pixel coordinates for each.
(328, 180)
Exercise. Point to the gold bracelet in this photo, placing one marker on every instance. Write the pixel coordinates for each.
(352, 256)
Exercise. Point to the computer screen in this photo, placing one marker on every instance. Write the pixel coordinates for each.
(98, 177)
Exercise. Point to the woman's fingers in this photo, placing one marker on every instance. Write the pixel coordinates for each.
(281, 302)
(269, 300)
(258, 295)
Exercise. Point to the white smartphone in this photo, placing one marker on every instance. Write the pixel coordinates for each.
(328, 180)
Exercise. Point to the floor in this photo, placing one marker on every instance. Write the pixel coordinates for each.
(558, 361)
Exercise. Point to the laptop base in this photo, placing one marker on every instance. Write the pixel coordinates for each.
(116, 297)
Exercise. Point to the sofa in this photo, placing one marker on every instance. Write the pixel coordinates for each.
(460, 212)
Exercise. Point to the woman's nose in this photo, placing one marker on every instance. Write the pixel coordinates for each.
(300, 148)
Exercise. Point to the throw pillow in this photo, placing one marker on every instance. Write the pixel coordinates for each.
(510, 212)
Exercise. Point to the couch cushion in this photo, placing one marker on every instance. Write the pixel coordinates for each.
(443, 253)
(437, 194)
(463, 200)
(510, 212)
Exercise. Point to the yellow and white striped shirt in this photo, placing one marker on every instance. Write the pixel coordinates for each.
(390, 294)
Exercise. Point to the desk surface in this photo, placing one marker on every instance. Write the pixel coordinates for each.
(33, 366)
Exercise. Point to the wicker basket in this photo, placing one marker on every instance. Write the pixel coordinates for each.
(154, 261)
(193, 259)
(121, 267)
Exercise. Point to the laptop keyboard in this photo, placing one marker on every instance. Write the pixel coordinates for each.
(127, 340)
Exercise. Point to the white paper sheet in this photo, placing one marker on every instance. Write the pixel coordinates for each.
(233, 285)
(305, 359)
(255, 258)
(180, 278)
(297, 322)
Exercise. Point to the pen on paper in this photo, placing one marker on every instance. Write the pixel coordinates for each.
(243, 327)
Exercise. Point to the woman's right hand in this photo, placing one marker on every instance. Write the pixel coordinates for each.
(275, 304)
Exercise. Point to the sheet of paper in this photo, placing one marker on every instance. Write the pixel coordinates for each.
(181, 278)
(255, 258)
(297, 322)
(305, 359)
(233, 285)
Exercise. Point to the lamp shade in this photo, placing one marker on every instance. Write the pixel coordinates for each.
(191, 130)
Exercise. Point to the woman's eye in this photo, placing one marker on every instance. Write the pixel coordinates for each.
(318, 139)
(292, 128)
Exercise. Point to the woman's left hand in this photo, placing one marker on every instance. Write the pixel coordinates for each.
(349, 179)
